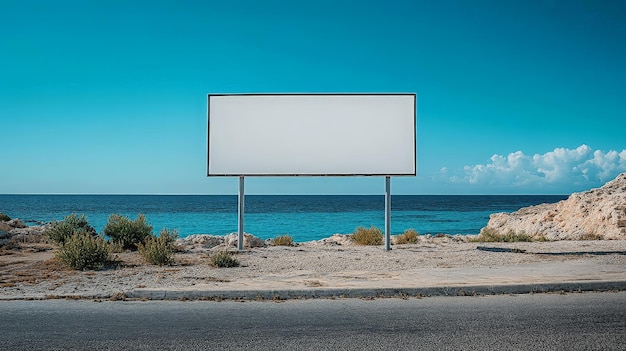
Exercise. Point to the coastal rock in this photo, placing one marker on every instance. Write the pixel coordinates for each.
(19, 232)
(204, 242)
(16, 223)
(443, 238)
(8, 230)
(26, 231)
(249, 241)
(208, 241)
(595, 214)
(200, 242)
(4, 227)
(337, 239)
(5, 236)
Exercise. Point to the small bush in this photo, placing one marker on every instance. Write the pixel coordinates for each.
(82, 251)
(490, 235)
(116, 247)
(169, 235)
(125, 233)
(410, 236)
(4, 217)
(224, 259)
(591, 236)
(284, 240)
(159, 250)
(60, 231)
(365, 236)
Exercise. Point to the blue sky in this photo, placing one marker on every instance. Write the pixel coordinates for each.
(514, 97)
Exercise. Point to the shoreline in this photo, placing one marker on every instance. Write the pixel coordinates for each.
(304, 217)
(17, 228)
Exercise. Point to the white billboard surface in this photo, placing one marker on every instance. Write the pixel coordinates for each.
(311, 134)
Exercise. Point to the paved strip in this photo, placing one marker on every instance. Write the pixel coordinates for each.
(471, 290)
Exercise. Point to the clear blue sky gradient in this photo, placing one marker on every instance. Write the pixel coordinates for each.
(110, 96)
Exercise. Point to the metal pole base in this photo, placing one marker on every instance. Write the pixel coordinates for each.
(241, 211)
(387, 213)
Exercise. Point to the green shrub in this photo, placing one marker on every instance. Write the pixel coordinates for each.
(284, 240)
(127, 234)
(159, 250)
(83, 251)
(4, 217)
(59, 231)
(365, 236)
(410, 236)
(491, 235)
(116, 247)
(224, 259)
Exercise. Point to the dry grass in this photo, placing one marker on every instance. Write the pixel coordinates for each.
(19, 242)
(29, 272)
(365, 236)
(82, 251)
(410, 236)
(60, 231)
(127, 233)
(313, 283)
(159, 250)
(283, 240)
(591, 236)
(490, 235)
(224, 259)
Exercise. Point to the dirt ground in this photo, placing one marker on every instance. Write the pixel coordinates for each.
(29, 269)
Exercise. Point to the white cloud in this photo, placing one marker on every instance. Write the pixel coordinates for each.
(561, 166)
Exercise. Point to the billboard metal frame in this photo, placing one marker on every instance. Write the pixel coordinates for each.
(241, 195)
(414, 130)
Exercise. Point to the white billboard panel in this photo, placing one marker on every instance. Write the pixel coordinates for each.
(311, 134)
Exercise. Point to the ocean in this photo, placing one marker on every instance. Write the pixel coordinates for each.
(304, 217)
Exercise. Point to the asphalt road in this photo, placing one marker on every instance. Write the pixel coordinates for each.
(588, 321)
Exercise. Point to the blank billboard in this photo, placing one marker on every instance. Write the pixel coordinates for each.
(311, 134)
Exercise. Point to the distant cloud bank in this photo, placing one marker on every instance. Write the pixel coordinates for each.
(577, 166)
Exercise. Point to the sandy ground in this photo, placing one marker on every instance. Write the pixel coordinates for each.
(30, 270)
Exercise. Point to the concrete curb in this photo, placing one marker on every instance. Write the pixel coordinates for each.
(473, 290)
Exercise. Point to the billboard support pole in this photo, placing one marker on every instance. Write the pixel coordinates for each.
(241, 210)
(387, 213)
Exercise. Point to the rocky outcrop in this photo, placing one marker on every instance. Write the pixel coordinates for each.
(203, 242)
(335, 239)
(595, 214)
(249, 241)
(16, 223)
(15, 228)
(4, 235)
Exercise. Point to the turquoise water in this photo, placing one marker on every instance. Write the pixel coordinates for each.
(305, 217)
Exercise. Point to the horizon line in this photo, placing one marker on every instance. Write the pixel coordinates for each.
(264, 194)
